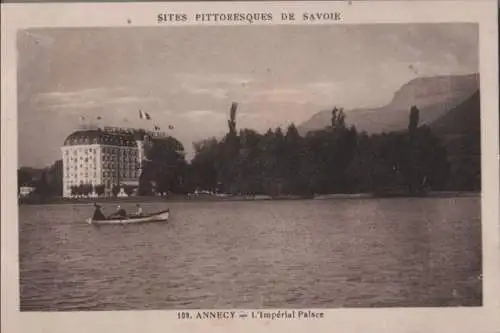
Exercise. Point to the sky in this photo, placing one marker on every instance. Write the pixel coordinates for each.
(188, 77)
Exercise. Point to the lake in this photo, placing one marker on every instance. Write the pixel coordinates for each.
(398, 252)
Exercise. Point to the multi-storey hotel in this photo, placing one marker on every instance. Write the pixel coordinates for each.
(103, 157)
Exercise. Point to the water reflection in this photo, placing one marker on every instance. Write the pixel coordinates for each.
(286, 254)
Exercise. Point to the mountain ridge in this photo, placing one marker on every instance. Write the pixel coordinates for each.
(434, 96)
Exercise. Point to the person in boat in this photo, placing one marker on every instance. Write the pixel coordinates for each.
(139, 210)
(120, 213)
(98, 215)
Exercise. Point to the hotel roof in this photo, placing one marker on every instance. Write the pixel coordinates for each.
(101, 137)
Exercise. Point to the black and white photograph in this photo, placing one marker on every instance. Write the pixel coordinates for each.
(249, 167)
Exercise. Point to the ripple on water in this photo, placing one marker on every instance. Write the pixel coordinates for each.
(328, 253)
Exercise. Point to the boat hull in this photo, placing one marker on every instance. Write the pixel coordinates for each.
(156, 217)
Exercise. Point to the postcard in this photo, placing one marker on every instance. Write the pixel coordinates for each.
(250, 166)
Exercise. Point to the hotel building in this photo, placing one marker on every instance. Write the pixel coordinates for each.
(109, 157)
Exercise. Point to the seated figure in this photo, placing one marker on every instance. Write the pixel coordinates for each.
(139, 210)
(120, 213)
(98, 215)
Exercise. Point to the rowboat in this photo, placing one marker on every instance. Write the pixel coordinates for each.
(145, 218)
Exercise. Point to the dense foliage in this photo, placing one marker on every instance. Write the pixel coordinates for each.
(336, 159)
(164, 168)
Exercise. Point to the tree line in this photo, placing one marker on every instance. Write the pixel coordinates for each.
(336, 159)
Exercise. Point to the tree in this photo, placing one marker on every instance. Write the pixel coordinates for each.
(129, 190)
(359, 173)
(232, 119)
(165, 167)
(55, 178)
(86, 189)
(336, 159)
(229, 151)
(115, 189)
(414, 118)
(99, 189)
(204, 164)
(42, 187)
(338, 118)
(24, 178)
(432, 159)
(413, 160)
(145, 183)
(74, 190)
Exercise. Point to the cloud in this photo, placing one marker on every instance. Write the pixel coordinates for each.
(248, 115)
(227, 79)
(215, 86)
(90, 98)
(307, 93)
(215, 93)
(132, 100)
(65, 96)
(202, 115)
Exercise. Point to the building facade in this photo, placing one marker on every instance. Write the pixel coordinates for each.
(102, 159)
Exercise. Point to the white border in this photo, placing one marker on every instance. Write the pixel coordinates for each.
(483, 319)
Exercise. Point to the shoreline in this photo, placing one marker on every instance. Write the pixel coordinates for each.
(249, 198)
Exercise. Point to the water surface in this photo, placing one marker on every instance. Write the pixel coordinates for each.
(264, 254)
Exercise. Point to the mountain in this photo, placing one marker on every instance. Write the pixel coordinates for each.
(434, 96)
(460, 132)
(461, 120)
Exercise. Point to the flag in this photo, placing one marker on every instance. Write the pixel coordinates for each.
(144, 115)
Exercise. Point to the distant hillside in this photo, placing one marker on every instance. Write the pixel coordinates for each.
(460, 132)
(463, 119)
(434, 96)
